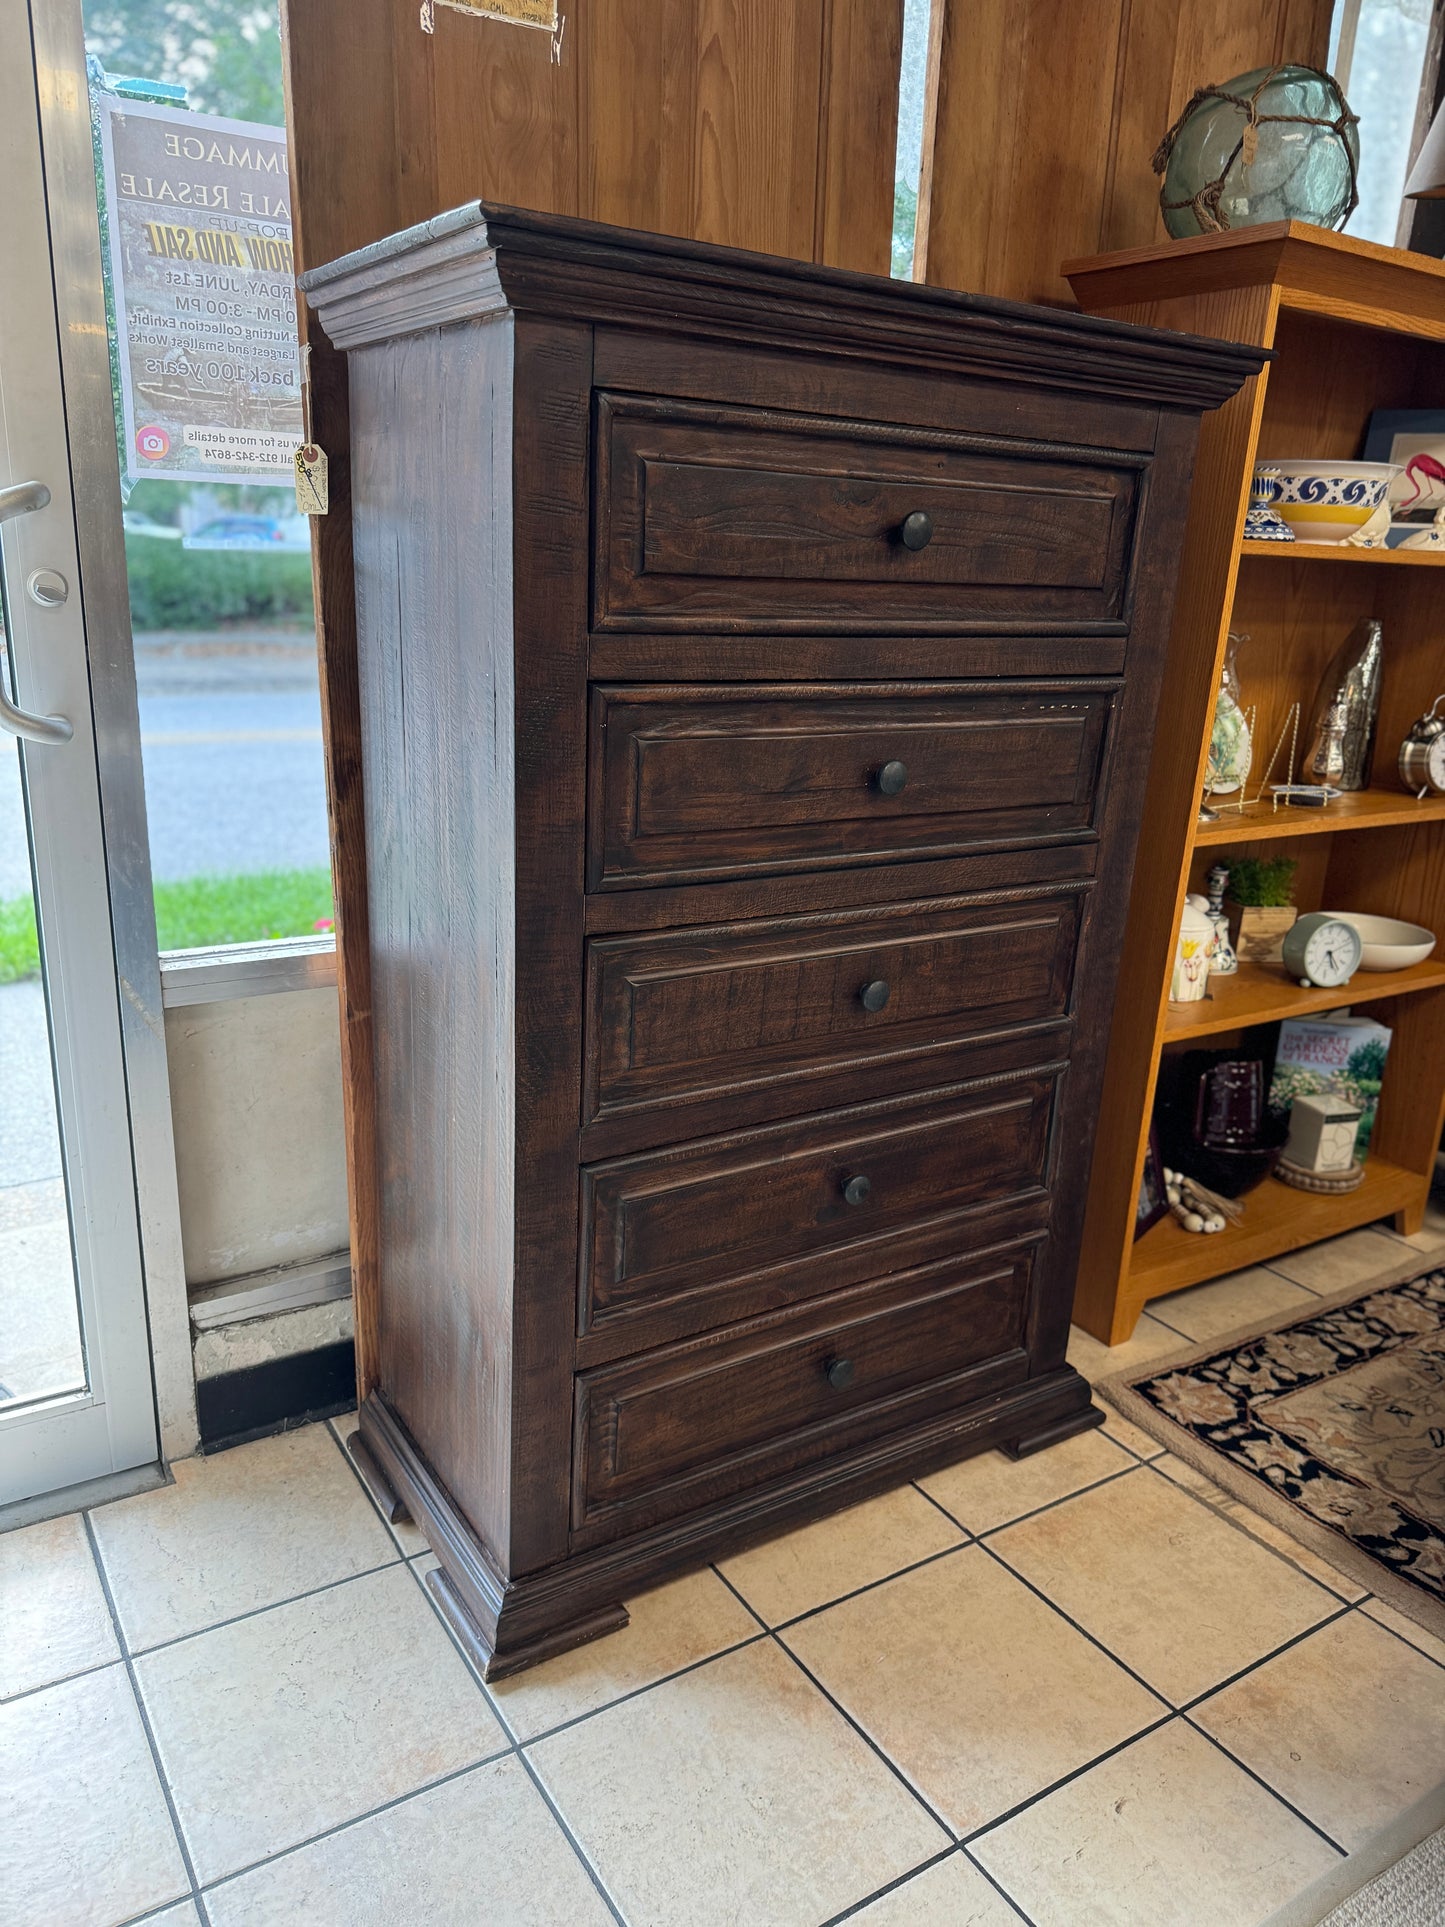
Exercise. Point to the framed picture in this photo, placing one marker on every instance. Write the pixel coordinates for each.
(1152, 1205)
(1415, 438)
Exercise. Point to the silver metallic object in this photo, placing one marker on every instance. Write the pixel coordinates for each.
(1347, 707)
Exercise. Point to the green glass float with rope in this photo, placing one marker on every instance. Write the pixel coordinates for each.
(1276, 144)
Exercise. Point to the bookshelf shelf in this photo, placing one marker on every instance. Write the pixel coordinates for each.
(1353, 327)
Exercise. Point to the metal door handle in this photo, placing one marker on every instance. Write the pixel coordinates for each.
(23, 498)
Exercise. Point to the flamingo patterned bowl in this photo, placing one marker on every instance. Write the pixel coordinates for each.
(1324, 501)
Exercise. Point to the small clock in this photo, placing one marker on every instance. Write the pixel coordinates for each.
(1422, 754)
(1322, 950)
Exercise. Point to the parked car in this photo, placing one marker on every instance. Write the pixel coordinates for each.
(269, 532)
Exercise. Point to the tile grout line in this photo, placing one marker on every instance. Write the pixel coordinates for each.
(1083, 1632)
(592, 1873)
(1050, 1505)
(256, 1612)
(155, 1913)
(892, 1886)
(635, 1692)
(873, 1745)
(65, 1679)
(845, 1715)
(1260, 1781)
(352, 1820)
(872, 1585)
(514, 1750)
(1360, 1605)
(998, 1886)
(1241, 1525)
(1066, 1779)
(355, 1470)
(1186, 1707)
(144, 1716)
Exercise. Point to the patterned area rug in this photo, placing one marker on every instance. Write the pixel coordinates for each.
(1331, 1424)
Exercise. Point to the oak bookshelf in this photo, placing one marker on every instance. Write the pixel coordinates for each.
(1353, 327)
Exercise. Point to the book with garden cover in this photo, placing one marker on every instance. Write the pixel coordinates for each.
(1339, 1055)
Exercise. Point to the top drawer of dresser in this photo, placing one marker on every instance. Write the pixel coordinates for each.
(745, 519)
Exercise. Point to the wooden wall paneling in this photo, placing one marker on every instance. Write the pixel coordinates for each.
(1165, 54)
(328, 415)
(337, 71)
(1196, 649)
(414, 118)
(1048, 117)
(759, 79)
(637, 106)
(858, 134)
(1021, 142)
(506, 123)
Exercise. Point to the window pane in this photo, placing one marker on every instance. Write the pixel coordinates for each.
(912, 81)
(1377, 52)
(195, 228)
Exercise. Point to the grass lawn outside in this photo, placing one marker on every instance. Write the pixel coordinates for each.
(195, 913)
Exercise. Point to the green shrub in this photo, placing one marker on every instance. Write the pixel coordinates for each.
(19, 948)
(172, 587)
(1261, 882)
(195, 913)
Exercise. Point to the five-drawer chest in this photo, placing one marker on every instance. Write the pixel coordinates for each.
(758, 666)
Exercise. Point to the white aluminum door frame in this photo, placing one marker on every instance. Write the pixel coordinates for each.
(85, 797)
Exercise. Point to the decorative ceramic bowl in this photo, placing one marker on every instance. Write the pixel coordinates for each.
(1325, 501)
(1388, 943)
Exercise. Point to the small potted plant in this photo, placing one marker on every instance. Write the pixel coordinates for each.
(1259, 906)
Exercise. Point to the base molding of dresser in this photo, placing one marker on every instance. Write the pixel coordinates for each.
(506, 1624)
(1055, 1434)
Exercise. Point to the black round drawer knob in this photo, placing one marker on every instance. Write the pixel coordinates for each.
(839, 1373)
(875, 995)
(916, 530)
(857, 1190)
(892, 779)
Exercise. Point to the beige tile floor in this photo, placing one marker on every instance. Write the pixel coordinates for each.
(1083, 1689)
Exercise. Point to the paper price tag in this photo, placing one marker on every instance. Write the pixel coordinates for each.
(526, 13)
(311, 493)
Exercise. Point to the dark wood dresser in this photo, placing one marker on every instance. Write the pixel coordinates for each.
(758, 667)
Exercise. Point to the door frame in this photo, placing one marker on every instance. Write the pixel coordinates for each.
(139, 1133)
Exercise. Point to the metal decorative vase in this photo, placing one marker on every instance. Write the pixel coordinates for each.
(1275, 144)
(1347, 706)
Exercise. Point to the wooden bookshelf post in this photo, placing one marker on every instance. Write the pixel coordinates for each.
(1354, 327)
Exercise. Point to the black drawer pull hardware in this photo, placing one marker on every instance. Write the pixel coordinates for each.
(892, 779)
(839, 1373)
(916, 530)
(875, 995)
(856, 1190)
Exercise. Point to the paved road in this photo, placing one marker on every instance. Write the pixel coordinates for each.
(231, 744)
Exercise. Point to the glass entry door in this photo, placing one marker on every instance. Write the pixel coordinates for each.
(76, 1390)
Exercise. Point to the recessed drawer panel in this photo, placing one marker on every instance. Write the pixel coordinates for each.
(693, 1421)
(736, 518)
(797, 1209)
(712, 1012)
(736, 780)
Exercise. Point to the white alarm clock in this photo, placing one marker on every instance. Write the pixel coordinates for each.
(1422, 754)
(1322, 950)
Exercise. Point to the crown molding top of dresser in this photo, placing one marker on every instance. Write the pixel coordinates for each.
(482, 259)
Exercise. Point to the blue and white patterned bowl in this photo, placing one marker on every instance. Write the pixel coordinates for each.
(1325, 501)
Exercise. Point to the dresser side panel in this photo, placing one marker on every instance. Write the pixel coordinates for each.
(432, 486)
(551, 475)
(1158, 537)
